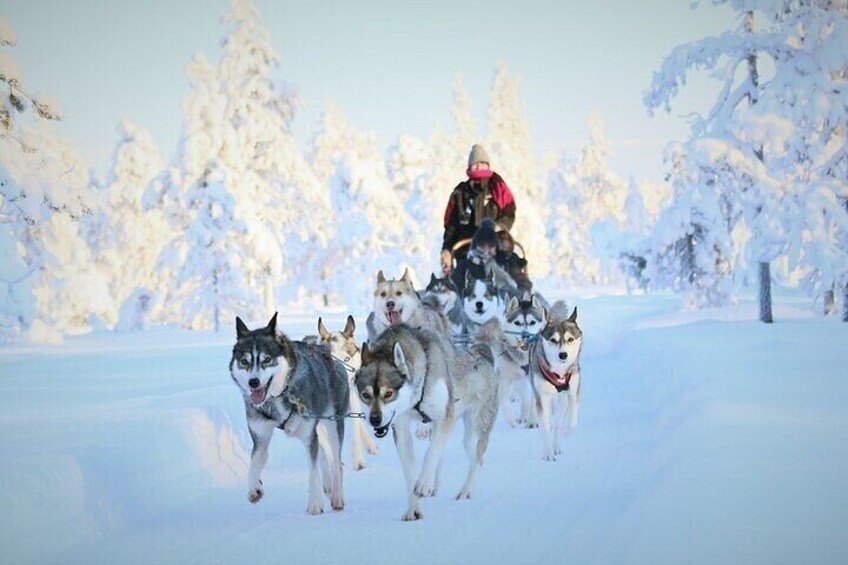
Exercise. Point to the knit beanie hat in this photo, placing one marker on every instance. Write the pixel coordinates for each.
(485, 234)
(478, 155)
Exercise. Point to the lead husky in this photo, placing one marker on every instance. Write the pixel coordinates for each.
(555, 377)
(343, 346)
(415, 375)
(396, 302)
(289, 385)
(510, 339)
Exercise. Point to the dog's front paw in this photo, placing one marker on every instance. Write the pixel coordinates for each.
(337, 503)
(425, 488)
(423, 431)
(463, 495)
(254, 495)
(531, 425)
(557, 450)
(412, 515)
(549, 457)
(314, 508)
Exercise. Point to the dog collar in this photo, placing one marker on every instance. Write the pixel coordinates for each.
(559, 382)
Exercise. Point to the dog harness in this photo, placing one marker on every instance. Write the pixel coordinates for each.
(559, 382)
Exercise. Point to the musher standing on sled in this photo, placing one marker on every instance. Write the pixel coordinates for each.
(483, 195)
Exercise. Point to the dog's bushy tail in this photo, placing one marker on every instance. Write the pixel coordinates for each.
(559, 311)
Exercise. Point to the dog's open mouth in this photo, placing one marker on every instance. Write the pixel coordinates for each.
(381, 431)
(257, 395)
(394, 316)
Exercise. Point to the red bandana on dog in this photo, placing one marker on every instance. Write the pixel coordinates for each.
(560, 382)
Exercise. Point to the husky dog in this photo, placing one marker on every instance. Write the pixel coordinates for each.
(510, 339)
(555, 377)
(396, 302)
(414, 375)
(290, 385)
(480, 265)
(447, 295)
(481, 301)
(343, 347)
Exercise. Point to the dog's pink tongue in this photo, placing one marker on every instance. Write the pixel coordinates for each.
(394, 317)
(257, 396)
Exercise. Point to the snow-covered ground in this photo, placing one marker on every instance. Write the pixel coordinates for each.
(703, 438)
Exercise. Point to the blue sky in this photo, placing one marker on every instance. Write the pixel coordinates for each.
(389, 65)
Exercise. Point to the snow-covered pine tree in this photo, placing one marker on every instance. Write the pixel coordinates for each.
(409, 161)
(509, 142)
(238, 127)
(129, 240)
(691, 247)
(584, 194)
(373, 229)
(634, 248)
(199, 146)
(210, 273)
(448, 150)
(274, 186)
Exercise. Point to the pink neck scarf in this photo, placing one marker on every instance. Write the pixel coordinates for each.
(480, 174)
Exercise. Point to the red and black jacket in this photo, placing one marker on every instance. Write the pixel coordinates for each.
(472, 201)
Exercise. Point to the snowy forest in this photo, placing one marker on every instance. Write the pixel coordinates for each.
(243, 219)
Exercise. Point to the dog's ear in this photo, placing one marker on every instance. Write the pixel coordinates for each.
(366, 354)
(526, 297)
(322, 331)
(573, 317)
(433, 278)
(513, 303)
(534, 302)
(349, 328)
(405, 277)
(399, 358)
(271, 328)
(241, 329)
(381, 278)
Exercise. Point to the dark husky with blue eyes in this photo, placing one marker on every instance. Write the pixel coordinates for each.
(300, 389)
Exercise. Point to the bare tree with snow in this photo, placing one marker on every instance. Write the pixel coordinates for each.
(48, 284)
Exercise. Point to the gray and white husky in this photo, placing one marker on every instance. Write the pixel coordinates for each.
(481, 301)
(555, 377)
(413, 375)
(396, 302)
(444, 291)
(292, 386)
(344, 348)
(509, 338)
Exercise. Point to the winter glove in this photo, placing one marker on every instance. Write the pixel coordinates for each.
(447, 262)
